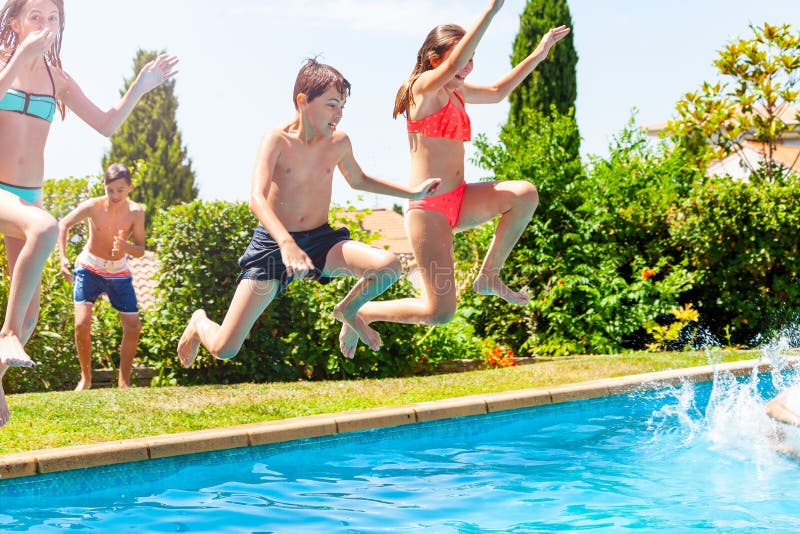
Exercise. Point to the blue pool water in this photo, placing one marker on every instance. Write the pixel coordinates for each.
(693, 457)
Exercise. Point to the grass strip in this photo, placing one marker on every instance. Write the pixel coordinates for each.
(57, 419)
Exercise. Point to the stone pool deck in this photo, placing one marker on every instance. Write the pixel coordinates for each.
(250, 435)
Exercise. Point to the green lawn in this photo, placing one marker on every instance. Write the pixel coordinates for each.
(45, 420)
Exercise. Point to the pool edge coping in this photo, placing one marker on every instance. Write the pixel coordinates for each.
(31, 463)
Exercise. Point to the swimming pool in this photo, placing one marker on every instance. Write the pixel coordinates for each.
(691, 457)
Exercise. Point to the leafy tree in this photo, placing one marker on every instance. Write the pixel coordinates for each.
(553, 83)
(758, 88)
(151, 135)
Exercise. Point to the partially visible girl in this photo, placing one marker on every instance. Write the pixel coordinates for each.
(433, 101)
(33, 89)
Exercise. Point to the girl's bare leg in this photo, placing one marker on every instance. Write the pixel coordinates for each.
(378, 270)
(30, 235)
(515, 203)
(224, 341)
(432, 239)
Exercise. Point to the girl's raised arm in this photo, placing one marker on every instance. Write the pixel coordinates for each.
(34, 45)
(491, 94)
(462, 53)
(152, 75)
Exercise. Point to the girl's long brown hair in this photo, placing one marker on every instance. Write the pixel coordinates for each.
(439, 40)
(9, 40)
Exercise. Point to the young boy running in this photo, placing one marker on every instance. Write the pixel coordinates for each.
(102, 267)
(290, 195)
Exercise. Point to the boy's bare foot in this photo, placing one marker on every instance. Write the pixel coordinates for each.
(189, 343)
(348, 341)
(12, 353)
(5, 415)
(367, 334)
(492, 285)
(84, 384)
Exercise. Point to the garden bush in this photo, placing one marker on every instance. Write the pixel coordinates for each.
(738, 240)
(596, 230)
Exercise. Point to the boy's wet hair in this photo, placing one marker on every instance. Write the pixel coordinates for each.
(315, 78)
(115, 172)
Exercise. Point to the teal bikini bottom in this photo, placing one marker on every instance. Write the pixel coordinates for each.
(28, 194)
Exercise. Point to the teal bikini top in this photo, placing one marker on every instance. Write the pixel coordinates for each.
(33, 105)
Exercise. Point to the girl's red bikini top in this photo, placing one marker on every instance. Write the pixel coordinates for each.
(450, 122)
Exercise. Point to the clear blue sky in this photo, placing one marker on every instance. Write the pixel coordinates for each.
(239, 59)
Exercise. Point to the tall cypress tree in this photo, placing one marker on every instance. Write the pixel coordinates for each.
(553, 82)
(151, 134)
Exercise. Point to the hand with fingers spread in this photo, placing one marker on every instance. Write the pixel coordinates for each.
(297, 262)
(427, 188)
(156, 72)
(552, 37)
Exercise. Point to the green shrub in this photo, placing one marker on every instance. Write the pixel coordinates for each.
(738, 239)
(582, 256)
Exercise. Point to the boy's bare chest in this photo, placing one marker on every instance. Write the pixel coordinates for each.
(305, 167)
(104, 222)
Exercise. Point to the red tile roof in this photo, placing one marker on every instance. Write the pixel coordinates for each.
(144, 270)
(389, 224)
(786, 155)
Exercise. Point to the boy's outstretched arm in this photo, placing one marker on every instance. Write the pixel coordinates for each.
(297, 262)
(491, 94)
(358, 180)
(72, 218)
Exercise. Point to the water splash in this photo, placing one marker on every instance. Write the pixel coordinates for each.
(732, 420)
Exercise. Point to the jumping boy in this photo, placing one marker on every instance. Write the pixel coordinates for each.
(102, 267)
(290, 195)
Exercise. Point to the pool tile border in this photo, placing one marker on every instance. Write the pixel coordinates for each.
(248, 435)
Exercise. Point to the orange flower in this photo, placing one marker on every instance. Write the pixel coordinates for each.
(648, 273)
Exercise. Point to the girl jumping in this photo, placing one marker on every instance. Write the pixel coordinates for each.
(433, 100)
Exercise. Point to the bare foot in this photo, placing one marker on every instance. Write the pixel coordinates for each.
(5, 415)
(84, 384)
(189, 343)
(492, 285)
(348, 341)
(12, 353)
(123, 385)
(367, 334)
